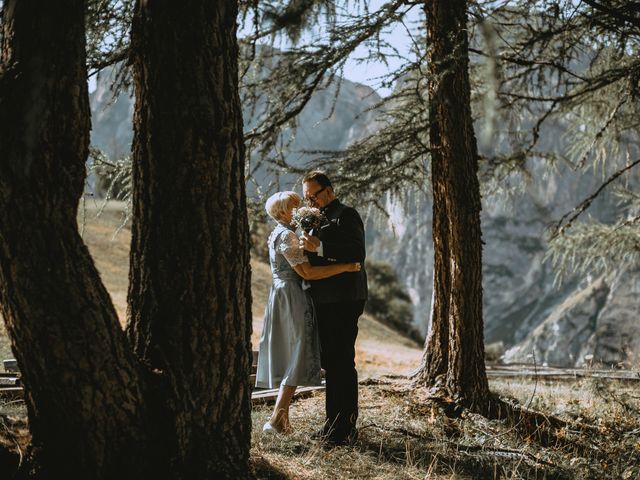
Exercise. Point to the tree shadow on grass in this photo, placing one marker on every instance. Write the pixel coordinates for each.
(263, 470)
(432, 456)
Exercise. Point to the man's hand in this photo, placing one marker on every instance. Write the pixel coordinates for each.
(309, 242)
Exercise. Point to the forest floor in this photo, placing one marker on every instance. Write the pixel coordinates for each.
(589, 428)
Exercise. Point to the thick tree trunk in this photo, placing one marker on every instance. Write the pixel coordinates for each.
(189, 294)
(81, 380)
(90, 411)
(454, 354)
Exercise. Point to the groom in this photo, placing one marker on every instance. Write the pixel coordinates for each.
(339, 302)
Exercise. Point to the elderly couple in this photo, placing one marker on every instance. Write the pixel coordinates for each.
(313, 323)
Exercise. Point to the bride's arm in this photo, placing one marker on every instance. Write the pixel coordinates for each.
(309, 272)
(290, 248)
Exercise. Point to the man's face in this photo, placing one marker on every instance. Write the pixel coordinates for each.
(315, 195)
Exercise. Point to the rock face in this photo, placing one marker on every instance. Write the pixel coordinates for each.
(326, 123)
(615, 338)
(111, 117)
(522, 307)
(563, 334)
(596, 325)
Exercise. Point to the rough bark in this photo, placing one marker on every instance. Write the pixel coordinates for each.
(189, 293)
(95, 411)
(454, 355)
(81, 380)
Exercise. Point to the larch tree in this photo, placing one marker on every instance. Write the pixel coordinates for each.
(428, 117)
(453, 365)
(575, 67)
(173, 400)
(83, 385)
(190, 289)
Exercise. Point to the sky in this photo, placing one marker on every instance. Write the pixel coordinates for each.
(368, 74)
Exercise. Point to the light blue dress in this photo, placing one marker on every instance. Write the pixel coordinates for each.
(289, 346)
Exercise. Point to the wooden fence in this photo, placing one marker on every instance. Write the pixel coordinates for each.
(11, 386)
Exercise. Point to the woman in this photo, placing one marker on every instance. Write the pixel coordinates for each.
(289, 347)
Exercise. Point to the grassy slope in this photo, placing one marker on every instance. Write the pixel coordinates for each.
(379, 349)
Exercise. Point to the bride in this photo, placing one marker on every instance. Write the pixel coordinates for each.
(289, 353)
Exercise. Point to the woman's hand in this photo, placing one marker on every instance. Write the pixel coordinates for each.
(309, 242)
(352, 267)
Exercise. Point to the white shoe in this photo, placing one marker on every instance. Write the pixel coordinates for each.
(270, 429)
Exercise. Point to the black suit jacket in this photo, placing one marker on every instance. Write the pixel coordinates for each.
(343, 241)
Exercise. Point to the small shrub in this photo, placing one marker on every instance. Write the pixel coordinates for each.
(260, 227)
(112, 177)
(388, 300)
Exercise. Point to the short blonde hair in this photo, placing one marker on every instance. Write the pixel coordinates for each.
(278, 204)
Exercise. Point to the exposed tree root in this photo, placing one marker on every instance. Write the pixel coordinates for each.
(546, 430)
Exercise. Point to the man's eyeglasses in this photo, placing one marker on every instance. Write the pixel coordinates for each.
(314, 197)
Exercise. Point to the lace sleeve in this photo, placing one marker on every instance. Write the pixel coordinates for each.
(290, 248)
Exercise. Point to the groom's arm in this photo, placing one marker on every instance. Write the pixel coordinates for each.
(350, 246)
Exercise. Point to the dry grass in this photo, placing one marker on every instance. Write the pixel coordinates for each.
(298, 457)
(403, 435)
(5, 345)
(109, 246)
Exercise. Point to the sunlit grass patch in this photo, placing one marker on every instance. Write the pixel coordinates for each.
(404, 435)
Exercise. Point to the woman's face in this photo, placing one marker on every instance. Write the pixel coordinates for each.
(293, 203)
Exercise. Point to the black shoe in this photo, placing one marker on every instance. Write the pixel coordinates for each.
(321, 435)
(334, 440)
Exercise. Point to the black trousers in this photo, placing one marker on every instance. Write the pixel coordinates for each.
(338, 326)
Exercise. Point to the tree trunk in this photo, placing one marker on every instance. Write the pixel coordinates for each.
(189, 293)
(95, 410)
(453, 364)
(83, 392)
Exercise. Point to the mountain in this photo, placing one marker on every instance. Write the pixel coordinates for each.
(317, 130)
(524, 311)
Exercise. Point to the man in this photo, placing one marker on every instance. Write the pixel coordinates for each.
(339, 302)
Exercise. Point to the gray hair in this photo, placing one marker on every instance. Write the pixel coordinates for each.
(278, 204)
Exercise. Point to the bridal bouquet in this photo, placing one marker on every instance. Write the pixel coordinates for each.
(308, 218)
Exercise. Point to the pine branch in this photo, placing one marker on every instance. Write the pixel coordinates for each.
(108, 61)
(571, 216)
(307, 66)
(615, 13)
